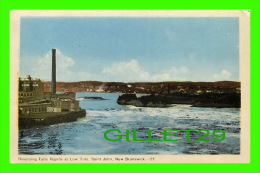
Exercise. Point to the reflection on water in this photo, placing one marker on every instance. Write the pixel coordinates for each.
(85, 136)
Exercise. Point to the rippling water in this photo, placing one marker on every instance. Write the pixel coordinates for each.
(86, 136)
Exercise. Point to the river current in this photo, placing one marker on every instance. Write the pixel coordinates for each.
(86, 136)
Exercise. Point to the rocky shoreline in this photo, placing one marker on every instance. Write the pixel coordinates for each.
(217, 100)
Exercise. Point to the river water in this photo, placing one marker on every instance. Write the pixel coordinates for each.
(86, 136)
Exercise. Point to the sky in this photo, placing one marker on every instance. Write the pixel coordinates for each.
(130, 49)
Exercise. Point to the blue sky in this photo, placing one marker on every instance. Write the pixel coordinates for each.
(131, 49)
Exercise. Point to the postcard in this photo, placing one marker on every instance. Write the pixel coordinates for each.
(130, 86)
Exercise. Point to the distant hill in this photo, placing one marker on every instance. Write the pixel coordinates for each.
(147, 87)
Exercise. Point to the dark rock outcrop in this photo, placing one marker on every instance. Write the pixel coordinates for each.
(125, 99)
(144, 101)
(219, 100)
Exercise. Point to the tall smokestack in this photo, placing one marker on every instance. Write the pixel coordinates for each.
(53, 74)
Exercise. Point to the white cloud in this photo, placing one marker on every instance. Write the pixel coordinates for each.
(41, 68)
(223, 75)
(172, 74)
(127, 71)
(132, 71)
(179, 71)
(161, 77)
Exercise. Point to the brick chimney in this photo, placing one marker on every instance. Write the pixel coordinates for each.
(53, 74)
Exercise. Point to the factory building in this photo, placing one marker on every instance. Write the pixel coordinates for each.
(33, 99)
(30, 89)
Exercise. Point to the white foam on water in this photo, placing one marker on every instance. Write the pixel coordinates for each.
(85, 136)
